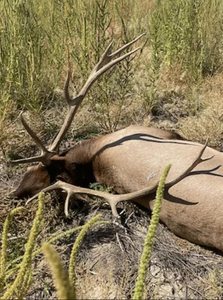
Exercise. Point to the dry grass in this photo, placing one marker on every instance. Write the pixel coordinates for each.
(207, 122)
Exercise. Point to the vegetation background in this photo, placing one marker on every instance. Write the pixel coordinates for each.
(171, 84)
(175, 82)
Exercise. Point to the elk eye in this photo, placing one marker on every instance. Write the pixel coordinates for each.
(61, 178)
(64, 177)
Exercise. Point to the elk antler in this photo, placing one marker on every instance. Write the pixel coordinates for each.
(106, 62)
(112, 199)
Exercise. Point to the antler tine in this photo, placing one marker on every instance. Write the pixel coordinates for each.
(101, 67)
(66, 89)
(45, 155)
(106, 57)
(39, 158)
(106, 63)
(111, 64)
(120, 50)
(32, 134)
(198, 160)
(96, 74)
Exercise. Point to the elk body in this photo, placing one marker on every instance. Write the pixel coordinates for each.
(89, 161)
(131, 161)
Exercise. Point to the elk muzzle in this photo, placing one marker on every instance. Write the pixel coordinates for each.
(35, 179)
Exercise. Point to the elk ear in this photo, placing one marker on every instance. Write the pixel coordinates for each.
(61, 169)
(56, 158)
(58, 162)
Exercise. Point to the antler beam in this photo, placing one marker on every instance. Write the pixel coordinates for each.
(45, 155)
(112, 199)
(105, 63)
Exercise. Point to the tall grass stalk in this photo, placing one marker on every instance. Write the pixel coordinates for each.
(64, 288)
(77, 244)
(20, 286)
(149, 240)
(65, 284)
(3, 256)
(10, 272)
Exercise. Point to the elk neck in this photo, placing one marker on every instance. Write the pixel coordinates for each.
(75, 164)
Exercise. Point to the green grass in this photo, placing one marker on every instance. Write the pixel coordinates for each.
(188, 33)
(40, 40)
(187, 36)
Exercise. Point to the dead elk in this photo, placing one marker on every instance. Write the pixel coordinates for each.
(131, 161)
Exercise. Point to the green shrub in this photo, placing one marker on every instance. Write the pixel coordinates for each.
(40, 40)
(187, 33)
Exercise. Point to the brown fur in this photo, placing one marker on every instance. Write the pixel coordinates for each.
(75, 164)
(134, 158)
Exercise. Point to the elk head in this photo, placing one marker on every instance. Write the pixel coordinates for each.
(39, 176)
(51, 165)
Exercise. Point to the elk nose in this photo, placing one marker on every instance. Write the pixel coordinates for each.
(18, 194)
(13, 194)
